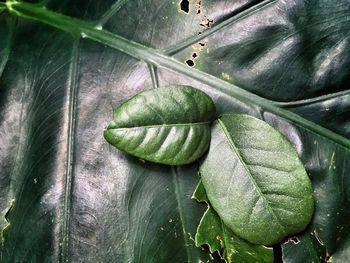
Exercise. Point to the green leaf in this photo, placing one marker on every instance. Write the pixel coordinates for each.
(94, 200)
(255, 180)
(214, 233)
(169, 125)
(200, 194)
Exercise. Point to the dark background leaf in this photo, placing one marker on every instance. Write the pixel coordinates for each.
(297, 46)
(77, 198)
(305, 248)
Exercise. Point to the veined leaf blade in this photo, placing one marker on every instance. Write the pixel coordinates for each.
(255, 180)
(169, 125)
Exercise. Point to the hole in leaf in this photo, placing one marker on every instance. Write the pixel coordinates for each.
(194, 55)
(185, 6)
(327, 259)
(190, 62)
(277, 254)
(8, 212)
(199, 3)
(202, 44)
(295, 240)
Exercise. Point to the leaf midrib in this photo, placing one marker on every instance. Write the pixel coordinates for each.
(181, 212)
(162, 125)
(73, 86)
(149, 55)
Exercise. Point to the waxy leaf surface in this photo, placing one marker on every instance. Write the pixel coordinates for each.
(255, 180)
(169, 125)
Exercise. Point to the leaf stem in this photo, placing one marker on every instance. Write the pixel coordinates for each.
(71, 103)
(153, 72)
(111, 11)
(174, 171)
(88, 30)
(305, 102)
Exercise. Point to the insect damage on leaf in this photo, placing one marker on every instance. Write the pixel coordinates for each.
(214, 233)
(7, 214)
(185, 6)
(5, 222)
(190, 62)
(255, 181)
(168, 125)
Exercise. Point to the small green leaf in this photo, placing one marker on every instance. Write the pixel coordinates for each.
(199, 194)
(169, 125)
(214, 233)
(255, 181)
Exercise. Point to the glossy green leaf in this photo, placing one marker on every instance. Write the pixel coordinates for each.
(214, 233)
(255, 180)
(169, 125)
(78, 199)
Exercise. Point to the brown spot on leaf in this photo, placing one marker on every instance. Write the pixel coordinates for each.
(199, 46)
(206, 23)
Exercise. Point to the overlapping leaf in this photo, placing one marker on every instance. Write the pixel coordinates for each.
(255, 180)
(168, 125)
(213, 232)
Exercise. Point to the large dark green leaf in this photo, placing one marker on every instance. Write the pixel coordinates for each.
(304, 248)
(78, 199)
(297, 50)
